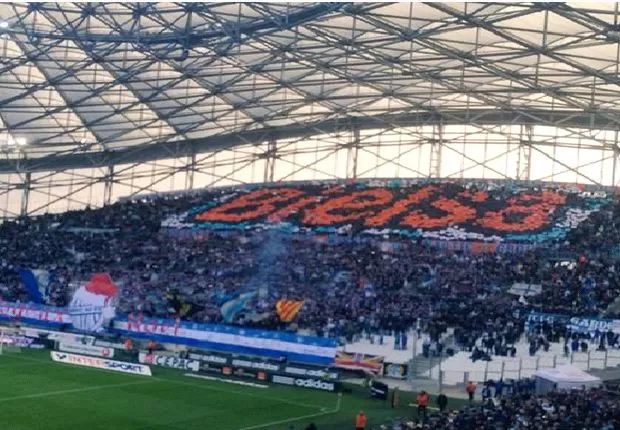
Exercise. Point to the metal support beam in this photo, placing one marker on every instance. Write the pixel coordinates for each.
(436, 145)
(23, 210)
(270, 159)
(189, 173)
(158, 151)
(352, 151)
(524, 157)
(108, 184)
(614, 176)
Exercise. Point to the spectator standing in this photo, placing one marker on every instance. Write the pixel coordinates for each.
(442, 402)
(499, 389)
(486, 393)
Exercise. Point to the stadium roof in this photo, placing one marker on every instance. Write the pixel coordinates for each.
(97, 83)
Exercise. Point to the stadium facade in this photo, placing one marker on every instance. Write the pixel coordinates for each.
(104, 100)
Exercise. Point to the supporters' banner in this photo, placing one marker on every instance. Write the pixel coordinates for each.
(525, 290)
(94, 304)
(445, 210)
(35, 314)
(540, 317)
(287, 310)
(309, 349)
(358, 361)
(37, 283)
(583, 324)
(236, 305)
(395, 370)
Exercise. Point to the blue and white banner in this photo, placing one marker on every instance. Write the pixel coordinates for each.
(37, 283)
(308, 349)
(582, 324)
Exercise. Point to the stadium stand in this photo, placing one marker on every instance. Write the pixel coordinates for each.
(371, 250)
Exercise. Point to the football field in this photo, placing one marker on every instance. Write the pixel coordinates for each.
(37, 393)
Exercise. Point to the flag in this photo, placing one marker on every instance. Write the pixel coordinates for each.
(358, 361)
(181, 307)
(93, 305)
(526, 290)
(234, 306)
(287, 310)
(37, 283)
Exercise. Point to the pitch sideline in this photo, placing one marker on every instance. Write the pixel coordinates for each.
(72, 390)
(321, 413)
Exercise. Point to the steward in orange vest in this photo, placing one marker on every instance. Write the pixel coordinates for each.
(471, 390)
(360, 421)
(422, 399)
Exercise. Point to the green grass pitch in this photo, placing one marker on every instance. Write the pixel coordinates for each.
(36, 393)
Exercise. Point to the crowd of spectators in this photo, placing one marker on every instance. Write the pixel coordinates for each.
(348, 287)
(577, 409)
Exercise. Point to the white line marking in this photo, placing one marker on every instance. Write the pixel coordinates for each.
(226, 381)
(241, 393)
(303, 417)
(13, 365)
(70, 391)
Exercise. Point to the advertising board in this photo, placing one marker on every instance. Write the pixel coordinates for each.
(330, 375)
(21, 342)
(266, 365)
(169, 361)
(78, 348)
(100, 363)
(314, 384)
(58, 336)
(210, 358)
(258, 365)
(379, 390)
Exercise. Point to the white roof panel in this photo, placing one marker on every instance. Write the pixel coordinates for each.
(127, 74)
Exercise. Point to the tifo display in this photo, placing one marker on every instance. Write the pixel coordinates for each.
(484, 212)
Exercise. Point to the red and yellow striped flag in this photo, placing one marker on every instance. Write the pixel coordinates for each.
(287, 310)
